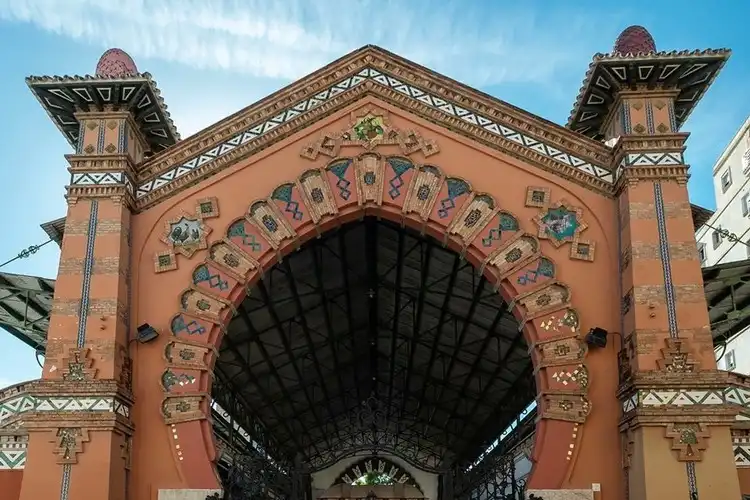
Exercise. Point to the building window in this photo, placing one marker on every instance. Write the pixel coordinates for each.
(702, 252)
(745, 210)
(716, 238)
(746, 162)
(729, 362)
(726, 180)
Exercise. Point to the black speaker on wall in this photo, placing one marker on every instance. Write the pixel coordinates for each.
(597, 337)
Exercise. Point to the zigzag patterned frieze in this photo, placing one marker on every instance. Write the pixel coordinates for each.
(18, 405)
(649, 160)
(102, 179)
(732, 395)
(741, 445)
(13, 451)
(351, 82)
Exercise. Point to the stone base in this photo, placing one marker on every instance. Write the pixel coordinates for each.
(561, 494)
(186, 494)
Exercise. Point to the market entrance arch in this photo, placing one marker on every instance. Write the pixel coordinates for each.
(175, 314)
(392, 308)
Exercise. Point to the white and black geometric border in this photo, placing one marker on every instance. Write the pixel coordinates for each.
(649, 160)
(733, 394)
(346, 84)
(101, 179)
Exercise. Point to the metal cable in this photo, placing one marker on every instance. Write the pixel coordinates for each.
(26, 253)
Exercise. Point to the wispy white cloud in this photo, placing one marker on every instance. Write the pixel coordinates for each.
(287, 39)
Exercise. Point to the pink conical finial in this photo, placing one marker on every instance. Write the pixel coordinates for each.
(115, 63)
(635, 40)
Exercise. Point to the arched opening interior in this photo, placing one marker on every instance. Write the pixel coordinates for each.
(372, 339)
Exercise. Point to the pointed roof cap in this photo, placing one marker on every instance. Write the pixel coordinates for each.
(115, 63)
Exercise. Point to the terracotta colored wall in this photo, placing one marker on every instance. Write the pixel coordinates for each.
(156, 461)
(744, 475)
(10, 484)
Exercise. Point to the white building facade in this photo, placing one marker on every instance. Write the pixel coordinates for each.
(731, 177)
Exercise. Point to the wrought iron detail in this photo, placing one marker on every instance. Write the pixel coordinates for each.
(253, 477)
(494, 479)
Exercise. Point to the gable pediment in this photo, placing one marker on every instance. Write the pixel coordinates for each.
(373, 71)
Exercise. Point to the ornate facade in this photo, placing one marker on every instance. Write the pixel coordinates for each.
(584, 228)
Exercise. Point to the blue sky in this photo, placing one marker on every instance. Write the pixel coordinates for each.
(211, 58)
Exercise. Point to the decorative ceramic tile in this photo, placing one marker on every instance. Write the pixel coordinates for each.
(274, 227)
(227, 255)
(551, 297)
(423, 191)
(369, 128)
(566, 407)
(166, 260)
(514, 254)
(689, 440)
(560, 223)
(538, 197)
(369, 171)
(318, 196)
(207, 208)
(185, 234)
(472, 218)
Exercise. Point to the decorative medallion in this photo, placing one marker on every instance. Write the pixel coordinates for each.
(79, 366)
(677, 358)
(186, 234)
(537, 197)
(369, 128)
(560, 223)
(69, 443)
(689, 440)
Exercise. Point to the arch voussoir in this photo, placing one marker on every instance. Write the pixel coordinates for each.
(423, 196)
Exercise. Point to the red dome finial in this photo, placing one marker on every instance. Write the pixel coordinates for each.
(635, 40)
(115, 63)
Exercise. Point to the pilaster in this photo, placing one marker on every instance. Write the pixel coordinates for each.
(642, 112)
(675, 426)
(74, 454)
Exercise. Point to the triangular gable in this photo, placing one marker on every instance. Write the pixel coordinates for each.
(399, 82)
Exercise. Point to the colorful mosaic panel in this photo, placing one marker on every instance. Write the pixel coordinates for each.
(453, 194)
(398, 176)
(184, 325)
(290, 204)
(342, 179)
(213, 280)
(561, 223)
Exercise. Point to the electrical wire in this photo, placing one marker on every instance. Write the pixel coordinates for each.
(25, 253)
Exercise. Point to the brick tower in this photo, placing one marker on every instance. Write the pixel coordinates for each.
(675, 438)
(113, 120)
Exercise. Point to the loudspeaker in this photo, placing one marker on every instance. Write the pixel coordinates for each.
(146, 333)
(597, 337)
